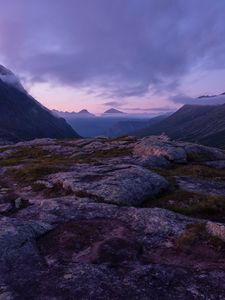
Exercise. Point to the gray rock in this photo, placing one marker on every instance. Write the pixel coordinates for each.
(216, 229)
(156, 146)
(215, 164)
(99, 251)
(195, 185)
(119, 184)
(5, 208)
(18, 203)
(203, 153)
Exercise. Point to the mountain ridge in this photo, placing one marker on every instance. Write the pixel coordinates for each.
(23, 118)
(194, 123)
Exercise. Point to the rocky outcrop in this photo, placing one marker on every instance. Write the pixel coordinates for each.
(119, 184)
(98, 219)
(201, 186)
(155, 146)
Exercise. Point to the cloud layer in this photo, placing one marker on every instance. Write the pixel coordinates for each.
(124, 47)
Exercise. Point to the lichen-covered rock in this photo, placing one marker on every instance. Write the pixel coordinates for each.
(203, 153)
(196, 185)
(69, 230)
(69, 248)
(119, 184)
(155, 146)
(215, 164)
(216, 229)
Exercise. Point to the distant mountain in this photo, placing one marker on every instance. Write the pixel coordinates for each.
(194, 123)
(113, 111)
(108, 124)
(81, 114)
(24, 118)
(128, 127)
(85, 113)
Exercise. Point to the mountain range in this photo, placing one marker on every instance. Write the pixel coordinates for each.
(24, 118)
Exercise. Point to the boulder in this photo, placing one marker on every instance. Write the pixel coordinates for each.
(119, 184)
(216, 229)
(155, 146)
(200, 153)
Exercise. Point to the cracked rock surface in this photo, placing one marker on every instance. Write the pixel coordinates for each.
(112, 219)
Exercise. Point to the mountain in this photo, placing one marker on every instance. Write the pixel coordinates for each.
(113, 111)
(85, 113)
(24, 118)
(127, 127)
(194, 123)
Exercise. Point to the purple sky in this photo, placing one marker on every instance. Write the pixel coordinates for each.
(74, 54)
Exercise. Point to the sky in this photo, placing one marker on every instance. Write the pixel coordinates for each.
(134, 55)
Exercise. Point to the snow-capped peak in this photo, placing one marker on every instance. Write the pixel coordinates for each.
(10, 78)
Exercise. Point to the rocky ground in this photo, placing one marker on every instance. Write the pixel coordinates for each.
(112, 219)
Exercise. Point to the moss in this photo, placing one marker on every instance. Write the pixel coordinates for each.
(24, 154)
(29, 174)
(190, 204)
(203, 156)
(38, 155)
(193, 170)
(197, 233)
(3, 149)
(124, 138)
(115, 152)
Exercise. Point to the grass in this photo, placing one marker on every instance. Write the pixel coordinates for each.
(196, 233)
(193, 170)
(24, 154)
(56, 191)
(115, 152)
(199, 156)
(190, 204)
(3, 149)
(34, 163)
(30, 173)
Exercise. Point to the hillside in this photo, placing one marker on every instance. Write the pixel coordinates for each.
(195, 123)
(22, 117)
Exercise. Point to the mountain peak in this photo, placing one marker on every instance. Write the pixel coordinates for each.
(84, 111)
(113, 111)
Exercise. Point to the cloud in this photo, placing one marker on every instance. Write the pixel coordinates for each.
(126, 48)
(151, 110)
(204, 100)
(113, 104)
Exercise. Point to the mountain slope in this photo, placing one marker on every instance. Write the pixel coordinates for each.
(203, 124)
(22, 117)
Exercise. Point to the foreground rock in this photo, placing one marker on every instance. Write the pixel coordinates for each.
(201, 186)
(79, 219)
(120, 184)
(71, 249)
(178, 152)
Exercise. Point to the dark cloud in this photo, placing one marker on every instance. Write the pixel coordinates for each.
(124, 47)
(204, 100)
